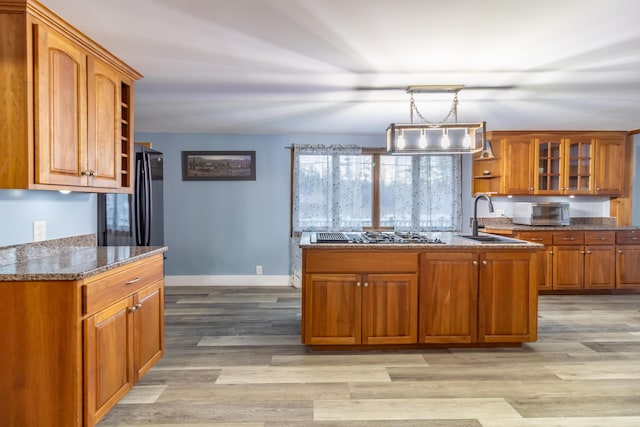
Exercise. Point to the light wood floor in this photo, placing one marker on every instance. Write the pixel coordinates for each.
(234, 358)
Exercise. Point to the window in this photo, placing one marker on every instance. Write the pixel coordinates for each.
(340, 190)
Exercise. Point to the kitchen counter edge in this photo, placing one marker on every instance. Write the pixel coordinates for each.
(76, 263)
(450, 241)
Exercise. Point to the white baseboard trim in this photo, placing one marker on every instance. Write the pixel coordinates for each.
(219, 280)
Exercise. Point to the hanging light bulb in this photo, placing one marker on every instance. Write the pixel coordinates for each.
(466, 141)
(444, 142)
(401, 143)
(422, 142)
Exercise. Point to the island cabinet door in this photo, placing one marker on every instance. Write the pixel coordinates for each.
(390, 309)
(332, 306)
(508, 298)
(628, 267)
(448, 297)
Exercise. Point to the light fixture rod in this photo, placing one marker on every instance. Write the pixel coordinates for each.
(434, 88)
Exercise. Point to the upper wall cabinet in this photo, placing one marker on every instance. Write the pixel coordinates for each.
(67, 106)
(553, 163)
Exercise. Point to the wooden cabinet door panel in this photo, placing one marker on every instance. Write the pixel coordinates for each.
(507, 298)
(148, 321)
(628, 267)
(568, 267)
(333, 309)
(599, 267)
(108, 368)
(390, 309)
(60, 69)
(103, 126)
(448, 298)
(610, 166)
(518, 165)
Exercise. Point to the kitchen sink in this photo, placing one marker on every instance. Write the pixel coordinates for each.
(492, 239)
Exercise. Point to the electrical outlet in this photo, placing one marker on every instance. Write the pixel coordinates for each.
(39, 231)
(500, 212)
(258, 269)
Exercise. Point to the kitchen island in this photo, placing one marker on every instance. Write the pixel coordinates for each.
(446, 291)
(80, 326)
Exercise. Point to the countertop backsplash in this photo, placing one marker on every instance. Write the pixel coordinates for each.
(595, 221)
(24, 252)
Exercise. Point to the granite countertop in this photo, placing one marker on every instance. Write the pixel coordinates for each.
(68, 262)
(572, 227)
(450, 241)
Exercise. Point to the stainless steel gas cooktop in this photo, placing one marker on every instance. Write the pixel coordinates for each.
(372, 237)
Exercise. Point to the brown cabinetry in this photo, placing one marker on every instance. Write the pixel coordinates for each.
(553, 163)
(70, 127)
(468, 297)
(543, 257)
(628, 259)
(463, 297)
(76, 347)
(508, 298)
(583, 260)
(448, 297)
(343, 305)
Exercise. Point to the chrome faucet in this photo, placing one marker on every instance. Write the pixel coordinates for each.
(474, 223)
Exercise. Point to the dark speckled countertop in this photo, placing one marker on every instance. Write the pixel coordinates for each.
(66, 259)
(449, 241)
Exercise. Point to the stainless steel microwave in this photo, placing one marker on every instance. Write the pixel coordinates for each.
(541, 213)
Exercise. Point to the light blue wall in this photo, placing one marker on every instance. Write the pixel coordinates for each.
(229, 227)
(65, 214)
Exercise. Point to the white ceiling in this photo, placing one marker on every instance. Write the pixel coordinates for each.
(341, 66)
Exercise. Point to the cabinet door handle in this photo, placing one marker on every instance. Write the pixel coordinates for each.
(358, 284)
(484, 262)
(84, 173)
(588, 252)
(135, 308)
(551, 252)
(131, 282)
(475, 262)
(597, 188)
(366, 284)
(619, 252)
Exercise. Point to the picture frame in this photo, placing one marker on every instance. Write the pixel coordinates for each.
(218, 165)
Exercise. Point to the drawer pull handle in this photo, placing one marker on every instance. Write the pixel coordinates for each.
(536, 239)
(131, 282)
(568, 238)
(634, 238)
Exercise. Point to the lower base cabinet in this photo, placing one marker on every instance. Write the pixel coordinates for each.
(76, 347)
(352, 309)
(453, 297)
(487, 298)
(122, 342)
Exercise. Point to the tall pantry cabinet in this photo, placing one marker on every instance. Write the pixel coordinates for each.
(67, 105)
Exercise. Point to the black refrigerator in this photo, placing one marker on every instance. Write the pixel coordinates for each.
(135, 219)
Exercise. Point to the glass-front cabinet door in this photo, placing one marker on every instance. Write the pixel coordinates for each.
(579, 174)
(549, 159)
(565, 165)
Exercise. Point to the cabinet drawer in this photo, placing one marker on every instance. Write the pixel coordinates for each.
(631, 237)
(600, 238)
(113, 285)
(568, 238)
(541, 237)
(328, 261)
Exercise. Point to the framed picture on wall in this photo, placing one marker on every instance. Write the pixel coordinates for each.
(218, 165)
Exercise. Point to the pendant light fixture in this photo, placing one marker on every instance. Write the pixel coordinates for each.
(444, 137)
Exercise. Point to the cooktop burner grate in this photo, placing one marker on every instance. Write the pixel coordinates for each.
(327, 237)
